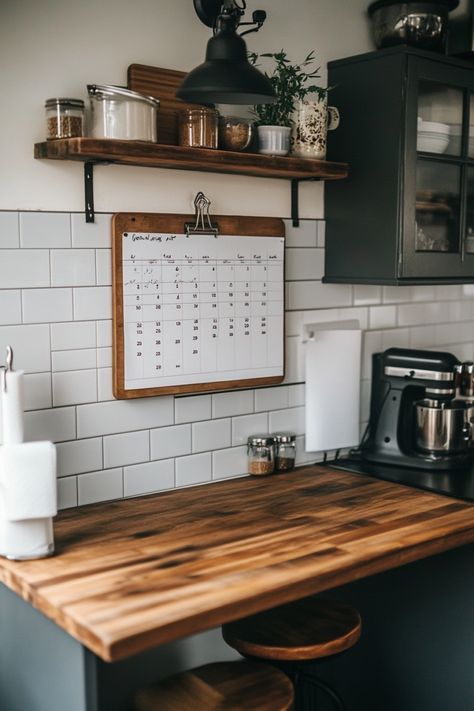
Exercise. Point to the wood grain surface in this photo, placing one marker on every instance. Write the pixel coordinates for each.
(161, 84)
(299, 631)
(223, 686)
(155, 155)
(129, 575)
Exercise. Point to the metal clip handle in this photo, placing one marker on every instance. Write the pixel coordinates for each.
(4, 369)
(202, 224)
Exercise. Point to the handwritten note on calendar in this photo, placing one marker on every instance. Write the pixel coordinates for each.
(201, 309)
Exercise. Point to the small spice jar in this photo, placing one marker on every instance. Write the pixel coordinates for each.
(64, 118)
(235, 133)
(198, 128)
(261, 458)
(285, 451)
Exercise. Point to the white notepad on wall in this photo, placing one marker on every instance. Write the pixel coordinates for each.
(333, 361)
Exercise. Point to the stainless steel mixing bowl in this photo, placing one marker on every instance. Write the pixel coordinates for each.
(420, 24)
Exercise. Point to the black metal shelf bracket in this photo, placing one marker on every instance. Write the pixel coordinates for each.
(89, 191)
(295, 218)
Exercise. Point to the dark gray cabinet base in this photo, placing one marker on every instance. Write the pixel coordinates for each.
(416, 652)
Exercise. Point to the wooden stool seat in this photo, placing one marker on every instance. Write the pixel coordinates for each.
(304, 630)
(223, 686)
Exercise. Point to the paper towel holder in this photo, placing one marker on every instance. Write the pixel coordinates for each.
(4, 369)
(310, 329)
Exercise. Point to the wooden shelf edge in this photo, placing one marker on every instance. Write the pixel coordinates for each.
(157, 155)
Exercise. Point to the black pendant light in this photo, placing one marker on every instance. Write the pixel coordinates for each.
(226, 77)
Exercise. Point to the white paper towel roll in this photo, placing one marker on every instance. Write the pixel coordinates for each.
(12, 407)
(332, 386)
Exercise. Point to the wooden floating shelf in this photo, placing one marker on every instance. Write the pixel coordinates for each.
(156, 155)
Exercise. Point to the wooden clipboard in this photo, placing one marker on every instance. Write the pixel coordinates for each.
(130, 226)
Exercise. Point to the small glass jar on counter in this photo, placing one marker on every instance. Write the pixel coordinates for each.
(261, 458)
(64, 118)
(198, 128)
(285, 451)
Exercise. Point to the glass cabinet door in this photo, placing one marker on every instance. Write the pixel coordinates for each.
(439, 120)
(437, 207)
(438, 178)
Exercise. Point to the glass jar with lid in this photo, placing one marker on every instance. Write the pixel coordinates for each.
(285, 451)
(261, 459)
(64, 118)
(198, 128)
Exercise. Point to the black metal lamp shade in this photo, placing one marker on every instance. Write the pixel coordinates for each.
(226, 77)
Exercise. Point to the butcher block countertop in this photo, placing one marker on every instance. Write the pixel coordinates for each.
(130, 575)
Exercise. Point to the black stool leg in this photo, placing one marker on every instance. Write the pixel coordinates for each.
(306, 686)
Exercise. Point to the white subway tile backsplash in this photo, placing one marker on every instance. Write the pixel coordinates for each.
(382, 317)
(422, 336)
(304, 264)
(91, 234)
(104, 357)
(9, 230)
(30, 344)
(314, 295)
(37, 391)
(148, 478)
(10, 306)
(24, 268)
(57, 425)
(74, 387)
(104, 334)
(396, 338)
(296, 395)
(192, 408)
(321, 225)
(73, 267)
(122, 416)
(291, 420)
(67, 492)
(214, 434)
(79, 456)
(82, 359)
(92, 303)
(271, 398)
(73, 335)
(306, 235)
(247, 425)
(103, 267)
(190, 439)
(104, 384)
(41, 230)
(98, 486)
(238, 402)
(229, 463)
(367, 295)
(47, 305)
(170, 441)
(195, 469)
(396, 294)
(128, 448)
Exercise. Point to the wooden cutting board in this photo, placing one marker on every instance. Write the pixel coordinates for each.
(161, 84)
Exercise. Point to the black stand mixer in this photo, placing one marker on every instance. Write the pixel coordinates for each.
(421, 410)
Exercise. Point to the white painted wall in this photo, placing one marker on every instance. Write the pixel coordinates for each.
(55, 47)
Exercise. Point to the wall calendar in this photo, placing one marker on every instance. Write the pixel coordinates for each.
(195, 310)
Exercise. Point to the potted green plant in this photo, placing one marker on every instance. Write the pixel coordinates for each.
(292, 84)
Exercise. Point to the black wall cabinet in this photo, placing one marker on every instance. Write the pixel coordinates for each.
(405, 215)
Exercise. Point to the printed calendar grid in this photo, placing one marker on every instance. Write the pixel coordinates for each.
(199, 309)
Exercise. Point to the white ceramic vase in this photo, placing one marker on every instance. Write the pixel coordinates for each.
(274, 140)
(311, 122)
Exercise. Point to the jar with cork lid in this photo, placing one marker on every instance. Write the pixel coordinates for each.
(261, 458)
